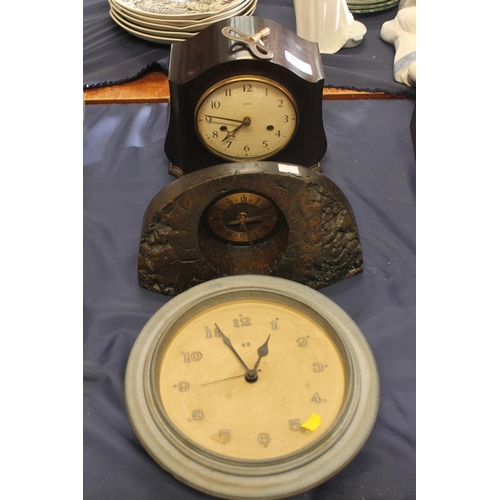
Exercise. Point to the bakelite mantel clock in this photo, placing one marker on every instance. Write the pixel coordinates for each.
(244, 89)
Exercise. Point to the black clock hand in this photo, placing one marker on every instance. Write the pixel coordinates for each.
(246, 122)
(257, 218)
(263, 350)
(228, 343)
(225, 119)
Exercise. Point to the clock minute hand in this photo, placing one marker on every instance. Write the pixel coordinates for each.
(225, 119)
(257, 218)
(227, 341)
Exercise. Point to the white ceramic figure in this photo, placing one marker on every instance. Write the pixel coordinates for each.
(329, 23)
(401, 32)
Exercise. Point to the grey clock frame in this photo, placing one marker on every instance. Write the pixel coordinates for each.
(239, 479)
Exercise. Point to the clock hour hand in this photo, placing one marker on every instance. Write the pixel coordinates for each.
(263, 350)
(247, 232)
(227, 341)
(245, 123)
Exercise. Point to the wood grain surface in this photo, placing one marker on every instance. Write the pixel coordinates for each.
(153, 87)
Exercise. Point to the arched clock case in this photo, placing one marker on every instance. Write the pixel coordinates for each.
(230, 103)
(263, 218)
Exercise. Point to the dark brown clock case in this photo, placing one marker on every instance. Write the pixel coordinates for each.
(209, 57)
(266, 218)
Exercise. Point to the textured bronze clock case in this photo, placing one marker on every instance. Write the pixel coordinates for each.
(314, 241)
(209, 57)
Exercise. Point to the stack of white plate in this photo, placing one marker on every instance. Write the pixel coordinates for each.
(168, 21)
(369, 6)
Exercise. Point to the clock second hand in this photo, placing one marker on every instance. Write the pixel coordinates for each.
(228, 378)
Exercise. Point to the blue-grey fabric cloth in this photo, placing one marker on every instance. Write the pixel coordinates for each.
(370, 157)
(112, 55)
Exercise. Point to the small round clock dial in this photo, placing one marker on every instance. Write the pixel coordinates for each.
(246, 117)
(243, 218)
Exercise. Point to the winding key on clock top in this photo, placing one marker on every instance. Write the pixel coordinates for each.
(253, 42)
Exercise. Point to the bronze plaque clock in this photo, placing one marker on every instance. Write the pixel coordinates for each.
(252, 387)
(269, 218)
(244, 89)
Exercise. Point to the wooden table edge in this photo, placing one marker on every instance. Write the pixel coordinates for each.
(153, 88)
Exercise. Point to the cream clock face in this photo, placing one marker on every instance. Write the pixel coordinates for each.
(251, 387)
(243, 378)
(246, 118)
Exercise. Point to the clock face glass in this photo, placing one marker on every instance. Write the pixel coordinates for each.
(243, 218)
(251, 379)
(246, 118)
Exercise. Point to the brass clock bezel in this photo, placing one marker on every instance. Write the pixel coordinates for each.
(236, 478)
(241, 78)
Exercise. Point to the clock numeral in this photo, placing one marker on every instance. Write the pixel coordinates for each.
(215, 134)
(227, 92)
(215, 104)
(247, 87)
(264, 439)
(317, 399)
(285, 118)
(280, 103)
(295, 425)
(241, 322)
(228, 145)
(278, 133)
(183, 386)
(302, 342)
(246, 148)
(274, 324)
(318, 367)
(194, 356)
(244, 198)
(225, 434)
(216, 333)
(265, 144)
(197, 415)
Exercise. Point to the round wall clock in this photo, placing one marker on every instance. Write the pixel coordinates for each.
(244, 89)
(264, 217)
(251, 387)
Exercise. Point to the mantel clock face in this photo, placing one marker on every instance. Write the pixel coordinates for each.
(252, 387)
(244, 89)
(246, 118)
